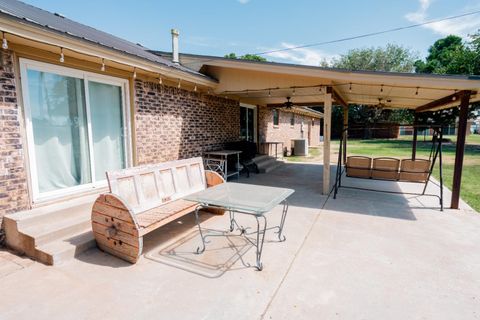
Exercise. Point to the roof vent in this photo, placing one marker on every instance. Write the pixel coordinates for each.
(59, 15)
(175, 54)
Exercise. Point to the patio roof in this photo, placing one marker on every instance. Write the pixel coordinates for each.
(269, 83)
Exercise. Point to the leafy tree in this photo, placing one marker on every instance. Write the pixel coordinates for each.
(450, 55)
(248, 56)
(392, 58)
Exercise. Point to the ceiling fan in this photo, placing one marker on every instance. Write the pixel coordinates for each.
(288, 104)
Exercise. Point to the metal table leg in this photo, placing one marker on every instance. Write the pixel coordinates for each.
(259, 233)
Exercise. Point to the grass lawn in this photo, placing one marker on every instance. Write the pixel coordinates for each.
(402, 148)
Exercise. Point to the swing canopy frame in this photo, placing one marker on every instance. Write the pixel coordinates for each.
(412, 170)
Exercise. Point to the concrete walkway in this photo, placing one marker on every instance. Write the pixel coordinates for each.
(364, 255)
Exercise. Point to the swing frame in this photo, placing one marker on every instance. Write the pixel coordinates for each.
(435, 152)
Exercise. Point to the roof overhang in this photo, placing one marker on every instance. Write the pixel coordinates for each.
(25, 32)
(268, 83)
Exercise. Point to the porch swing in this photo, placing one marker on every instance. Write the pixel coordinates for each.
(392, 169)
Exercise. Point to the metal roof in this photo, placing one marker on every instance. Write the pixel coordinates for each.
(60, 24)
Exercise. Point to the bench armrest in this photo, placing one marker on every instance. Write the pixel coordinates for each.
(213, 178)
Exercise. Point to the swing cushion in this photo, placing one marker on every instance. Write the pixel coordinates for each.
(414, 170)
(385, 168)
(358, 166)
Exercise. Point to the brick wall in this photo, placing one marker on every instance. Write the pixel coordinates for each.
(13, 182)
(284, 132)
(173, 123)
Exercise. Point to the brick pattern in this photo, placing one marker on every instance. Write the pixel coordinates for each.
(284, 132)
(13, 181)
(172, 123)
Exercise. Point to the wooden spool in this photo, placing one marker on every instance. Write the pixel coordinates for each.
(115, 228)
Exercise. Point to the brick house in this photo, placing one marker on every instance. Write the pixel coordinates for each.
(75, 102)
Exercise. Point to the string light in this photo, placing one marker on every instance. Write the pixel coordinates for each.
(350, 88)
(381, 88)
(269, 93)
(179, 85)
(320, 89)
(134, 73)
(454, 96)
(103, 65)
(62, 56)
(159, 79)
(4, 42)
(416, 92)
(195, 88)
(293, 92)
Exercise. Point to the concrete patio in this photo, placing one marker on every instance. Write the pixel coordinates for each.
(365, 255)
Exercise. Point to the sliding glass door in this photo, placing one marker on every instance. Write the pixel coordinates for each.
(76, 128)
(247, 123)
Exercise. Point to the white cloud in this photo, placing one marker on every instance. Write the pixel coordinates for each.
(306, 56)
(461, 26)
(243, 1)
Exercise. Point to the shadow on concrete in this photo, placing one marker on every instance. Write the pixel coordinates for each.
(384, 199)
(305, 178)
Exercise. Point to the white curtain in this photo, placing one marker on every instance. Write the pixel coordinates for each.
(107, 127)
(59, 128)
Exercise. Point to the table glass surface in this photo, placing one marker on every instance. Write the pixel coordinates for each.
(242, 197)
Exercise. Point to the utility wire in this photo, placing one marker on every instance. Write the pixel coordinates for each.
(356, 37)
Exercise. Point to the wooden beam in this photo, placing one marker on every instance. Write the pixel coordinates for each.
(299, 104)
(337, 97)
(327, 121)
(460, 149)
(415, 136)
(444, 101)
(345, 133)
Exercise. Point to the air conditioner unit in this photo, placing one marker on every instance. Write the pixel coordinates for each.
(300, 147)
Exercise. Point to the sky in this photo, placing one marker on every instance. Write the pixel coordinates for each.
(218, 27)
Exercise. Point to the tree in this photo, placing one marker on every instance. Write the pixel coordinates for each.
(248, 56)
(450, 55)
(393, 58)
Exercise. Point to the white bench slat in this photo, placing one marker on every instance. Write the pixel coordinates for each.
(149, 186)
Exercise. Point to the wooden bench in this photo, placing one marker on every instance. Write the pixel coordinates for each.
(143, 199)
(385, 168)
(359, 167)
(415, 170)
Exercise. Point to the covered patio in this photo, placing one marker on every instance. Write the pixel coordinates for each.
(272, 84)
(364, 255)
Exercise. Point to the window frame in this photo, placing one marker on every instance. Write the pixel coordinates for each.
(27, 64)
(254, 108)
(277, 112)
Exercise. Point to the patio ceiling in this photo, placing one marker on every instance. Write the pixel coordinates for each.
(270, 83)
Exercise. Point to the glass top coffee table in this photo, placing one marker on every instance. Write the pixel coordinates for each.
(247, 199)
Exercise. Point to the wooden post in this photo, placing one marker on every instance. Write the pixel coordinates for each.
(415, 136)
(327, 120)
(460, 149)
(345, 133)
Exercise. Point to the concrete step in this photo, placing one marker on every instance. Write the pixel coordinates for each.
(272, 167)
(52, 211)
(52, 230)
(56, 229)
(268, 165)
(61, 250)
(261, 157)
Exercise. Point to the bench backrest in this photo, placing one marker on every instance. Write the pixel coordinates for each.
(149, 186)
